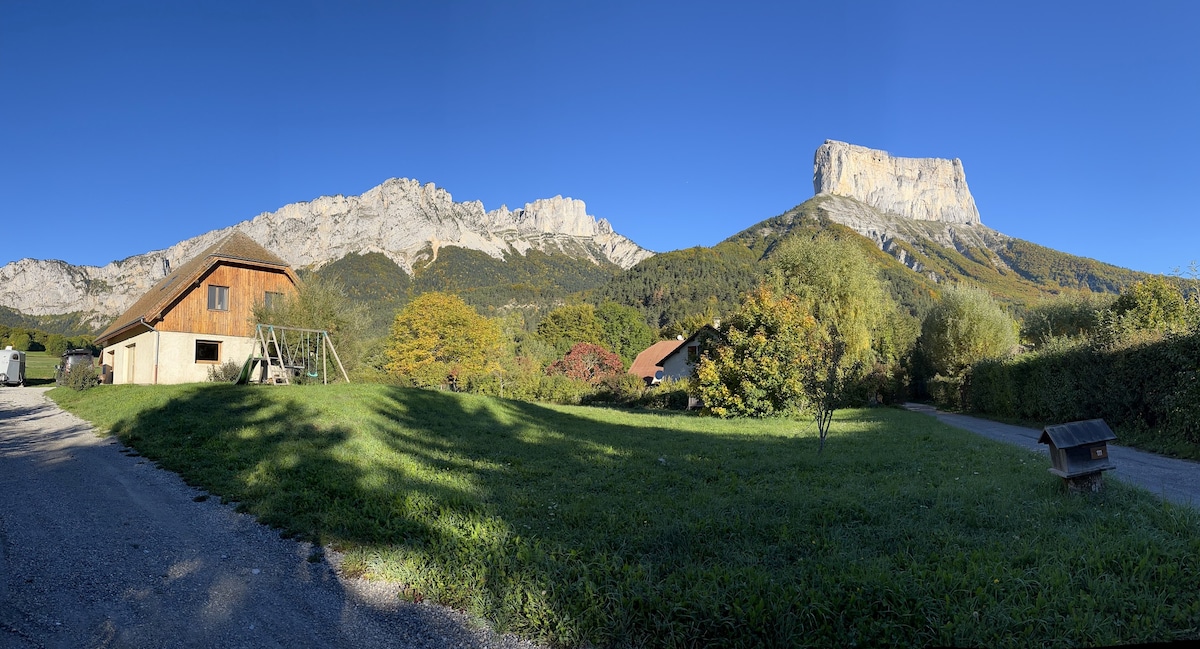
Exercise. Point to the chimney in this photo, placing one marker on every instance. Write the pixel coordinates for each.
(166, 267)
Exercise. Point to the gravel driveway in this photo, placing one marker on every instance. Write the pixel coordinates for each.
(99, 548)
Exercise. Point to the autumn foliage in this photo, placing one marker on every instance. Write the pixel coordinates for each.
(438, 339)
(587, 362)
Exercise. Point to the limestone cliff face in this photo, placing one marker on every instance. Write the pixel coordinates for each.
(922, 189)
(400, 218)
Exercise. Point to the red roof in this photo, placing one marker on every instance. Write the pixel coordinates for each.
(647, 362)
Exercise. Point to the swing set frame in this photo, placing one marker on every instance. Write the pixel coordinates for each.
(287, 353)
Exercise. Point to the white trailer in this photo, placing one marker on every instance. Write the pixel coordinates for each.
(12, 366)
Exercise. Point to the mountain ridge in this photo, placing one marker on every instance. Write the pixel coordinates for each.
(399, 218)
(916, 212)
(915, 259)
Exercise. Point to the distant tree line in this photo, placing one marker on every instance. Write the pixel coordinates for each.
(34, 340)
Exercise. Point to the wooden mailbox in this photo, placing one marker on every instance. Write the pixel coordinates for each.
(1079, 452)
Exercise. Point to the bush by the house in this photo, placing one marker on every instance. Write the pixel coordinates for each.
(226, 372)
(670, 394)
(82, 377)
(531, 387)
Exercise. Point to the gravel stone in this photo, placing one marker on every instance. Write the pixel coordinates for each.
(100, 549)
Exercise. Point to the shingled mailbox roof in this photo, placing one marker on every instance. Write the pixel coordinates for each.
(235, 247)
(1077, 433)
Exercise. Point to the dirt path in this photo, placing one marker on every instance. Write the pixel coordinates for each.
(102, 549)
(1173, 479)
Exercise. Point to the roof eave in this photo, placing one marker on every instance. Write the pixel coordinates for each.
(102, 341)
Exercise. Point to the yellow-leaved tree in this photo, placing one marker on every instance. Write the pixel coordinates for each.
(802, 339)
(439, 340)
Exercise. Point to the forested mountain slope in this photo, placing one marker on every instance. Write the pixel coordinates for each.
(912, 257)
(535, 280)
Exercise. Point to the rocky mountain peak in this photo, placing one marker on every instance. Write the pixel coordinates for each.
(400, 218)
(922, 189)
(557, 214)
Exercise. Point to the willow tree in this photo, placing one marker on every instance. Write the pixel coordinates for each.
(966, 327)
(321, 304)
(840, 287)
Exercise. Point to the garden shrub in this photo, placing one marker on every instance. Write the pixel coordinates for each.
(884, 384)
(226, 372)
(622, 389)
(82, 377)
(587, 362)
(669, 394)
(946, 391)
(531, 387)
(1147, 385)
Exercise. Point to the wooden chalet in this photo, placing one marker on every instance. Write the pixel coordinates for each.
(197, 316)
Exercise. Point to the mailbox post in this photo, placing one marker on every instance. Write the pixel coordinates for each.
(1079, 453)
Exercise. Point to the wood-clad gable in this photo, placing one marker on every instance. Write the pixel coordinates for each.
(179, 301)
(248, 285)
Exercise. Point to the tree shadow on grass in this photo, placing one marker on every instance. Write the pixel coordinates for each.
(623, 526)
(272, 454)
(549, 523)
(605, 527)
(194, 571)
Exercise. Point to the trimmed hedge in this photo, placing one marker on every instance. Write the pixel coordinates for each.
(1148, 388)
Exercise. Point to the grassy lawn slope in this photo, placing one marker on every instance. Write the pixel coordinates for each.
(578, 525)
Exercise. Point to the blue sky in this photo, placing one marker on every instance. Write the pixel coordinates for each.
(128, 126)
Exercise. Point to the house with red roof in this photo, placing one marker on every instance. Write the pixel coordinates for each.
(672, 359)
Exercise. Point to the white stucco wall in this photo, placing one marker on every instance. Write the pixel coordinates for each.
(677, 365)
(134, 360)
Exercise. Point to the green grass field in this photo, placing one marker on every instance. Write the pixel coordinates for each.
(578, 526)
(39, 368)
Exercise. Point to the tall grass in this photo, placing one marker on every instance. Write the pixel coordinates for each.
(580, 526)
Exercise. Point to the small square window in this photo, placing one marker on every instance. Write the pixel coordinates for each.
(272, 299)
(208, 351)
(218, 298)
(693, 353)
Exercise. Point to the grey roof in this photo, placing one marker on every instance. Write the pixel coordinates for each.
(1077, 433)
